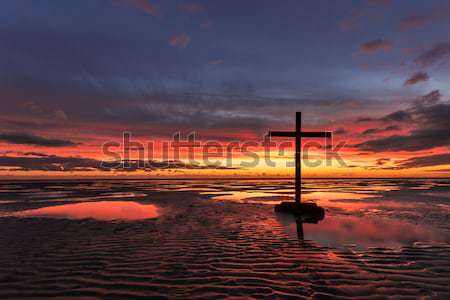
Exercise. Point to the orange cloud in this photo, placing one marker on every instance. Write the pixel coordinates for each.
(180, 40)
(419, 21)
(375, 46)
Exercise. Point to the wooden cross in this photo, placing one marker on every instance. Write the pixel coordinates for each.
(299, 134)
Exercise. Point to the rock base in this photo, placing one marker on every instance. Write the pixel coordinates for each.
(307, 212)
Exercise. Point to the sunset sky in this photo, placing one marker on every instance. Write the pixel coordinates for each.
(77, 74)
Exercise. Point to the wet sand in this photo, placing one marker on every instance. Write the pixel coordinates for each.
(200, 247)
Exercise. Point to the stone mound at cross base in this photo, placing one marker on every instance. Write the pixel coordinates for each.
(308, 212)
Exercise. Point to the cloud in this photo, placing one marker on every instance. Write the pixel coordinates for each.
(429, 99)
(49, 163)
(432, 130)
(364, 120)
(216, 62)
(425, 161)
(71, 164)
(375, 46)
(416, 78)
(380, 130)
(433, 55)
(179, 40)
(229, 112)
(30, 139)
(419, 21)
(38, 154)
(142, 5)
(382, 161)
(190, 8)
(341, 131)
(44, 112)
(398, 116)
(413, 22)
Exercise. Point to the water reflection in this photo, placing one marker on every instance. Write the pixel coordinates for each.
(339, 231)
(103, 210)
(300, 232)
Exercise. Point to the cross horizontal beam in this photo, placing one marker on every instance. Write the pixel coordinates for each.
(303, 134)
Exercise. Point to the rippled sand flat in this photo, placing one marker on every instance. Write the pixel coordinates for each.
(201, 247)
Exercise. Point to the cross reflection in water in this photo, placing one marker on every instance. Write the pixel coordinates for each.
(310, 220)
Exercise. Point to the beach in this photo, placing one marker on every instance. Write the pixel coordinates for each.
(200, 239)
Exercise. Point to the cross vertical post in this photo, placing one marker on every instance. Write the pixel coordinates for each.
(298, 164)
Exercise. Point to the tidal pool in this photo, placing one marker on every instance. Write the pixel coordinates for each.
(340, 231)
(102, 210)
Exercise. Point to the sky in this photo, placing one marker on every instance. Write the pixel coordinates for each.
(76, 75)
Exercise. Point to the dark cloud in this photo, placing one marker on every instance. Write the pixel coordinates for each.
(425, 161)
(36, 109)
(382, 161)
(433, 55)
(48, 163)
(416, 78)
(380, 130)
(374, 46)
(392, 128)
(206, 111)
(432, 130)
(30, 139)
(38, 154)
(371, 131)
(429, 99)
(341, 131)
(71, 164)
(161, 114)
(398, 116)
(365, 119)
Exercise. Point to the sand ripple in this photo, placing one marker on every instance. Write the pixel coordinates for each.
(205, 250)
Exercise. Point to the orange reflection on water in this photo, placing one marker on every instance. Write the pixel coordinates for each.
(250, 197)
(337, 231)
(102, 210)
(350, 201)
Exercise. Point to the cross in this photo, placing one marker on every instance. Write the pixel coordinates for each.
(299, 134)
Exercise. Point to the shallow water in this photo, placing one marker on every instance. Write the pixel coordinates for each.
(102, 210)
(344, 231)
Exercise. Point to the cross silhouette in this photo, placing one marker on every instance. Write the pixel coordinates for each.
(299, 134)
